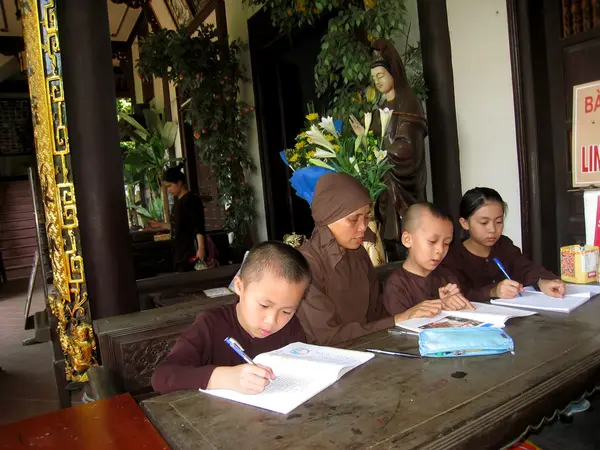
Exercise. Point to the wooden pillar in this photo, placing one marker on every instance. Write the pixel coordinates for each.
(441, 115)
(96, 157)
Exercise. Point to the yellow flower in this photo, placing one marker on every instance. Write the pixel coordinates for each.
(369, 4)
(330, 138)
(309, 140)
(311, 154)
(370, 37)
(303, 134)
(294, 157)
(299, 144)
(371, 94)
(370, 131)
(336, 148)
(369, 158)
(313, 116)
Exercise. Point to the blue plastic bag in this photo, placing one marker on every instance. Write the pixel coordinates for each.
(450, 342)
(305, 180)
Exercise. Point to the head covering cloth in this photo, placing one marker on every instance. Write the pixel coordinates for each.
(336, 196)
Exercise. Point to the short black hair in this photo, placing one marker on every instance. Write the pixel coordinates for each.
(174, 175)
(277, 258)
(477, 197)
(414, 212)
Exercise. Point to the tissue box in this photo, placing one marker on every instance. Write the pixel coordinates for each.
(579, 264)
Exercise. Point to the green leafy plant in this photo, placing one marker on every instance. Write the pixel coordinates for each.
(342, 73)
(153, 211)
(148, 158)
(208, 74)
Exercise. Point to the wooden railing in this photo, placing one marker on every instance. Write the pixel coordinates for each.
(580, 16)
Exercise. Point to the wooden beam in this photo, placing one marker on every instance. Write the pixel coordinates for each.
(441, 114)
(202, 15)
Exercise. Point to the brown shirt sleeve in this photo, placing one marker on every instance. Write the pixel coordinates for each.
(188, 364)
(397, 294)
(318, 318)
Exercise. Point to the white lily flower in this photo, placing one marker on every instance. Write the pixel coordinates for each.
(318, 138)
(327, 125)
(324, 154)
(318, 162)
(380, 155)
(386, 116)
(368, 117)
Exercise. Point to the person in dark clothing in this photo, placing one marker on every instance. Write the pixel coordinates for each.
(187, 222)
(482, 212)
(271, 284)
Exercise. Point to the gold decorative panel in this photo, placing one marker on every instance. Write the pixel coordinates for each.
(69, 302)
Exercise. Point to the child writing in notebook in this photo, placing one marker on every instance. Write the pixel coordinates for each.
(420, 288)
(270, 285)
(482, 213)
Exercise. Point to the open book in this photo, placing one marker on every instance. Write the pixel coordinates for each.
(302, 371)
(483, 316)
(532, 299)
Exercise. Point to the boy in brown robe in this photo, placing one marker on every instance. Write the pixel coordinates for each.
(420, 288)
(271, 283)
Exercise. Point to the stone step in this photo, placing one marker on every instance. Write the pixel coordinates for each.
(16, 224)
(8, 242)
(22, 232)
(14, 273)
(18, 261)
(17, 251)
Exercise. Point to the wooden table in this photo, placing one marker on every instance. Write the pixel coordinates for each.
(393, 402)
(116, 423)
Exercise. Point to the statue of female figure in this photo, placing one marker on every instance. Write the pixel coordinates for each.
(403, 140)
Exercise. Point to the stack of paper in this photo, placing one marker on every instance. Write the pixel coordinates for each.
(302, 371)
(483, 316)
(532, 299)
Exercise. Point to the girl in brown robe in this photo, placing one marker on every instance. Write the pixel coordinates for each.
(343, 301)
(482, 212)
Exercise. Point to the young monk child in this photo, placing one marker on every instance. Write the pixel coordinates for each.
(482, 213)
(270, 285)
(420, 288)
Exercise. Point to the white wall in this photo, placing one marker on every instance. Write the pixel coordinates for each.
(237, 28)
(484, 102)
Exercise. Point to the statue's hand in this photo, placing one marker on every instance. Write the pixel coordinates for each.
(357, 127)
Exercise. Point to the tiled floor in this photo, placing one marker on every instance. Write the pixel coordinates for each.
(27, 380)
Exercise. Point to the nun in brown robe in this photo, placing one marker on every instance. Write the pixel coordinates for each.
(343, 301)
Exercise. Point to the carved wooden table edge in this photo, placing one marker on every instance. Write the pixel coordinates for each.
(481, 433)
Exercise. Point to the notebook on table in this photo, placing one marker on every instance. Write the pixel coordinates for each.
(484, 315)
(532, 299)
(302, 371)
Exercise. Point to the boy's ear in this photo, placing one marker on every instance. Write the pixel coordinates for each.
(406, 239)
(464, 223)
(239, 285)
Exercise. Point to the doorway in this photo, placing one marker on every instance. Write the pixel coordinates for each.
(283, 74)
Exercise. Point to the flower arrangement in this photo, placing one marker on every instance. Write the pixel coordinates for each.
(322, 148)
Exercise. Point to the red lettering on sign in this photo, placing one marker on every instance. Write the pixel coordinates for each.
(584, 167)
(589, 104)
(596, 157)
(592, 104)
(590, 158)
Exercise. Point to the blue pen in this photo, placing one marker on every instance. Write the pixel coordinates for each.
(501, 267)
(236, 347)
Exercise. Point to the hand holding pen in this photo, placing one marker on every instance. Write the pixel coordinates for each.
(507, 288)
(249, 378)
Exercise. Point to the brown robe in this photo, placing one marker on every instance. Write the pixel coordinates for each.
(201, 348)
(477, 275)
(343, 301)
(404, 289)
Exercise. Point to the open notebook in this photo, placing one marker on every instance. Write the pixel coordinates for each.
(483, 316)
(576, 296)
(302, 371)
